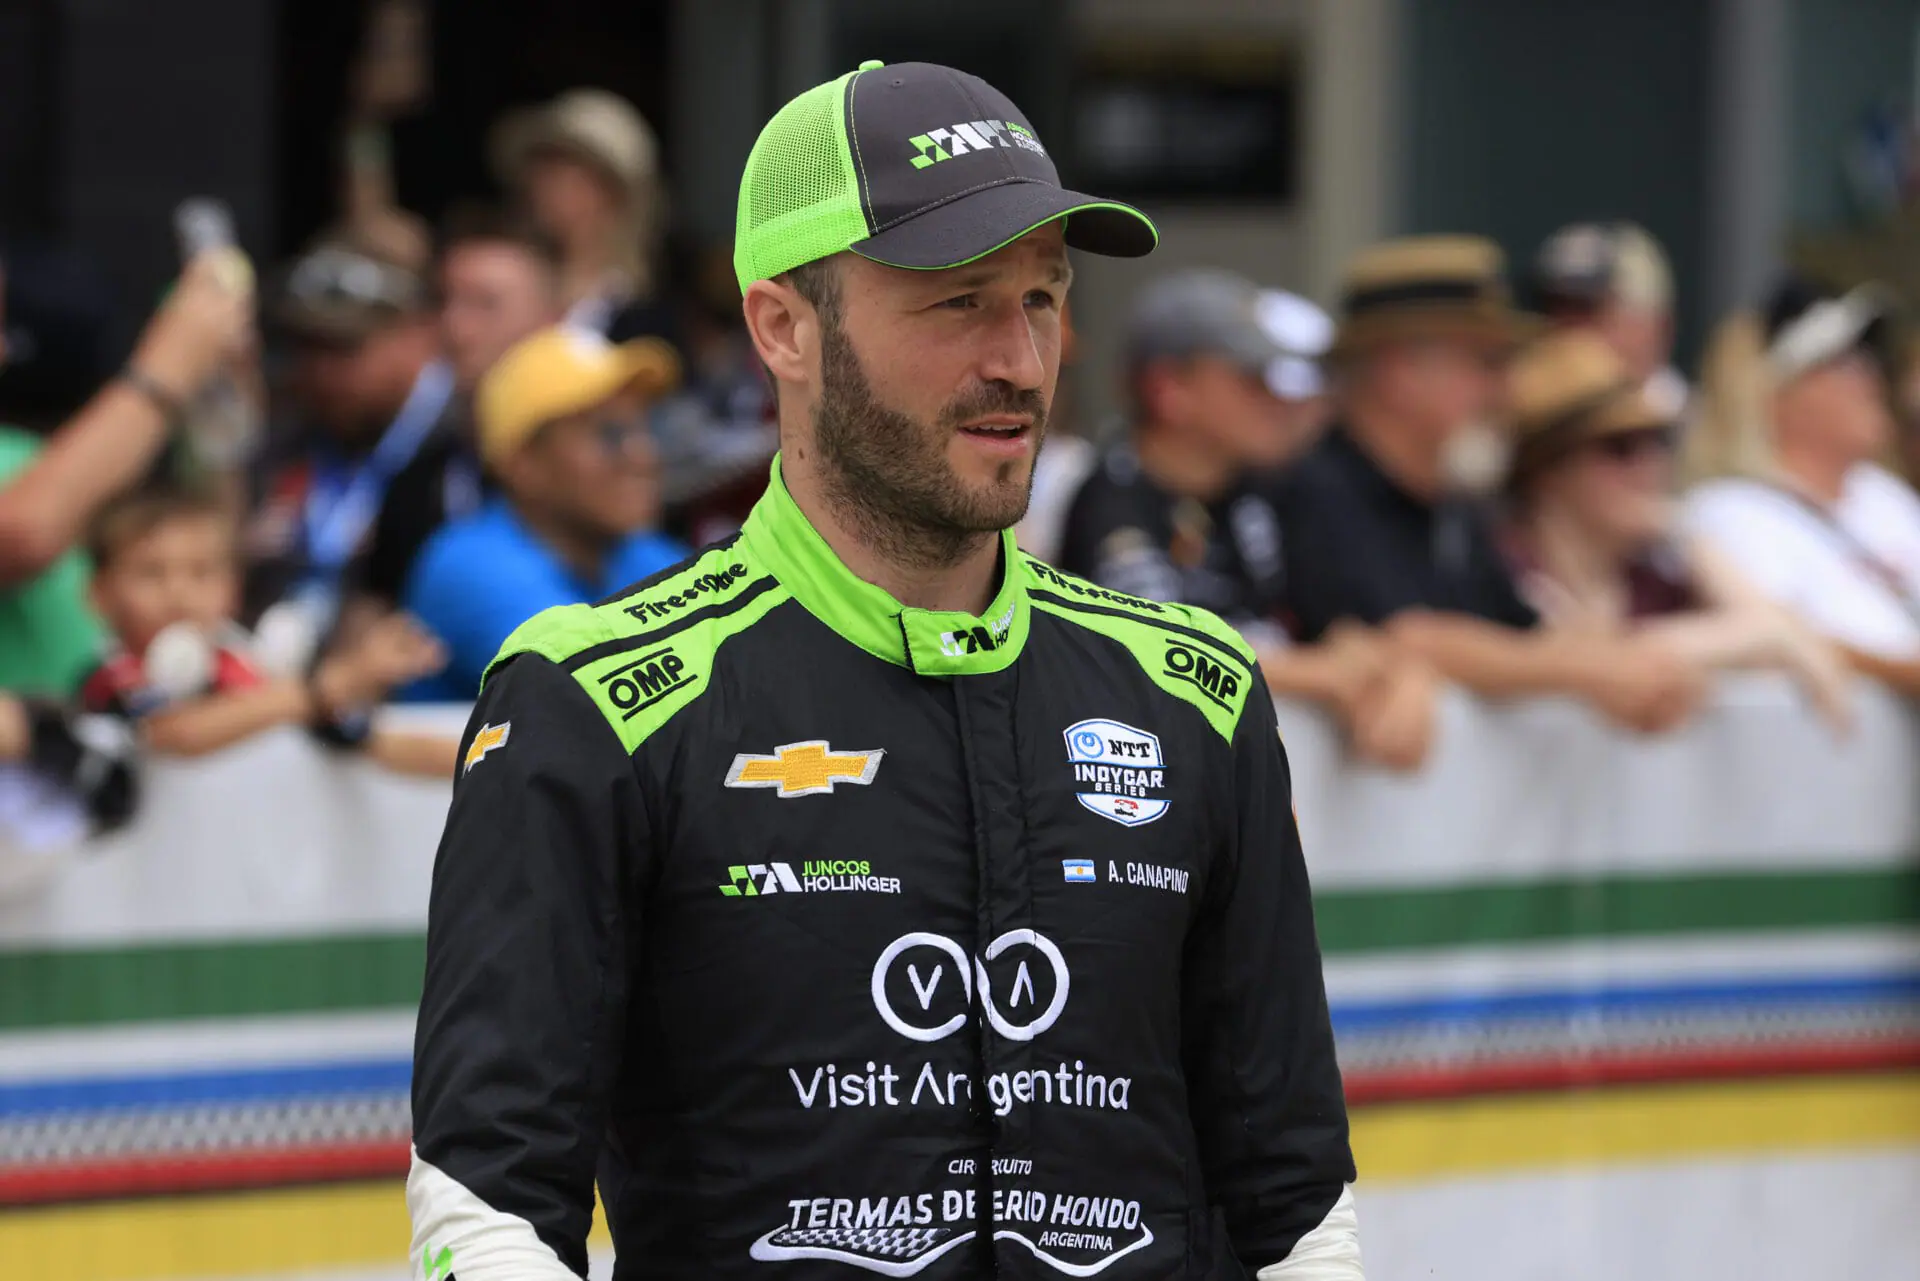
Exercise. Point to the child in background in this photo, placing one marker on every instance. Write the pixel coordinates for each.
(166, 583)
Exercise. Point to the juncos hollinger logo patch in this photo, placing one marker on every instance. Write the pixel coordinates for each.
(936, 145)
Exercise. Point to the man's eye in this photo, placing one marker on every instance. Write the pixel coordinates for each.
(1042, 298)
(960, 302)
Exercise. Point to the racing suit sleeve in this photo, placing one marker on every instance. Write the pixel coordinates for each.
(521, 1019)
(1258, 1045)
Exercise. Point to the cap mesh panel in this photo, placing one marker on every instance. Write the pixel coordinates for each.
(799, 197)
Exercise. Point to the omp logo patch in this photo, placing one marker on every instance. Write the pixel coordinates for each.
(804, 769)
(1204, 673)
(438, 1267)
(639, 683)
(936, 145)
(488, 739)
(1119, 770)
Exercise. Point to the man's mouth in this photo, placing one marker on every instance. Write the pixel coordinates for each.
(999, 427)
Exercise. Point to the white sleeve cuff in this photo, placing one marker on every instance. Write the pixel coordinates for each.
(1331, 1252)
(455, 1233)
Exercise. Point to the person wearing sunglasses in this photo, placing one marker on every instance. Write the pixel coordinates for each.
(561, 422)
(1590, 535)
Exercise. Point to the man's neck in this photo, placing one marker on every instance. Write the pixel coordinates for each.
(1585, 565)
(580, 550)
(586, 264)
(964, 582)
(1408, 460)
(1818, 473)
(1182, 467)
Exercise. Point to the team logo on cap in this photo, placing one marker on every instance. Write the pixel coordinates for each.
(936, 145)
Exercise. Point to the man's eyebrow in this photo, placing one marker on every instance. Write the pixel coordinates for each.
(1058, 273)
(967, 281)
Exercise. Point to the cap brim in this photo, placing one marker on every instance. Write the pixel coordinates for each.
(651, 367)
(975, 225)
(1629, 412)
(1294, 378)
(1828, 331)
(342, 324)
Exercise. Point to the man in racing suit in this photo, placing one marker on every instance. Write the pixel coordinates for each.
(864, 895)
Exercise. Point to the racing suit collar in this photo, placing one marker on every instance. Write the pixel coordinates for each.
(930, 642)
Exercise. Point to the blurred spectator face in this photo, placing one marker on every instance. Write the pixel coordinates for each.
(493, 294)
(1641, 336)
(1617, 485)
(594, 473)
(353, 387)
(1841, 405)
(181, 571)
(1210, 400)
(1433, 388)
(568, 196)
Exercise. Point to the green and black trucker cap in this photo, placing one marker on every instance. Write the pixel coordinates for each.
(914, 165)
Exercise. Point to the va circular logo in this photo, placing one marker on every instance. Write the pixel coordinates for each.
(936, 1006)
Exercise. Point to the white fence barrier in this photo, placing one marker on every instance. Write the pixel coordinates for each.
(1606, 1006)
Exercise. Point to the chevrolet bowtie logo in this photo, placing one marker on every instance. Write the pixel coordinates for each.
(489, 737)
(803, 769)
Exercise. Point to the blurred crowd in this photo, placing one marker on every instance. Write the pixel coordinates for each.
(1435, 485)
(347, 481)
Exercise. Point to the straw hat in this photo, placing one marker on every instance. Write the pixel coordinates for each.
(1426, 287)
(592, 125)
(1569, 388)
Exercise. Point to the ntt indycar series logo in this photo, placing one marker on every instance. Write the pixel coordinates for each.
(1118, 770)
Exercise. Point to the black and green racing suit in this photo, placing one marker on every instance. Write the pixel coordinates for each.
(831, 936)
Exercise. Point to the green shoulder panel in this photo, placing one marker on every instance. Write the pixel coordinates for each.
(1187, 652)
(644, 656)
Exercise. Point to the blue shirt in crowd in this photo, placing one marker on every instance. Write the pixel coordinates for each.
(477, 579)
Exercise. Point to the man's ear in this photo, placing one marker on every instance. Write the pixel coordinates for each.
(784, 328)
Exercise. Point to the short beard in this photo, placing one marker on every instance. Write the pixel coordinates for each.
(887, 476)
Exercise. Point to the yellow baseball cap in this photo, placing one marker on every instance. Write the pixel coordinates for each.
(560, 371)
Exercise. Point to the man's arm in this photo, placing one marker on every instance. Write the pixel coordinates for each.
(528, 945)
(1496, 660)
(1267, 1104)
(1638, 682)
(109, 445)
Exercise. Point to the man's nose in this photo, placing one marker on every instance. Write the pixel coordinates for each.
(1010, 352)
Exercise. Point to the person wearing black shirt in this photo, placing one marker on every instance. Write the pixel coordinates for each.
(1224, 386)
(499, 283)
(1379, 521)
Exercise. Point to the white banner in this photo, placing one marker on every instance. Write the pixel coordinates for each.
(1606, 1005)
